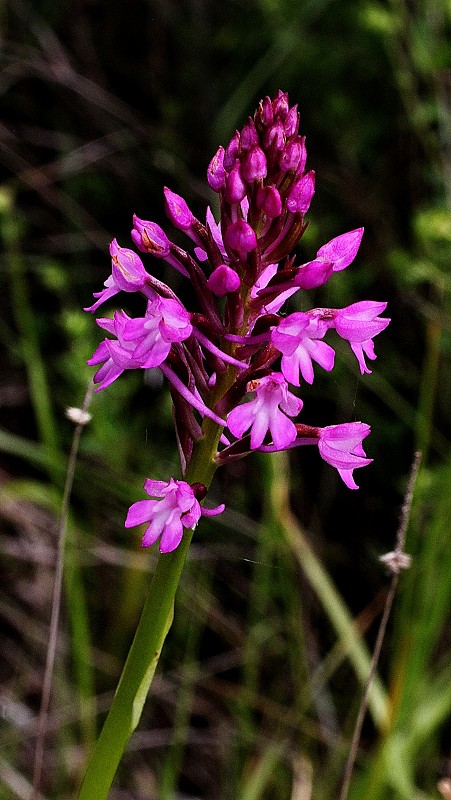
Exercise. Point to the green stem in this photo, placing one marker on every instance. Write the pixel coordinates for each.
(128, 702)
(40, 393)
(142, 660)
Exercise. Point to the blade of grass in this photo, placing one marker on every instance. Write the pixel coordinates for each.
(332, 602)
(255, 786)
(26, 325)
(190, 671)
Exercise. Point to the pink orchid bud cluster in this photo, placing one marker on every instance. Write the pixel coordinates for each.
(234, 359)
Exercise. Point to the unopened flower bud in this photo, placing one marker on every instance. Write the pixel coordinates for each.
(280, 104)
(235, 186)
(222, 280)
(150, 238)
(177, 210)
(269, 201)
(315, 273)
(199, 491)
(216, 173)
(248, 136)
(291, 124)
(127, 268)
(231, 151)
(300, 197)
(240, 237)
(265, 112)
(254, 166)
(293, 156)
(275, 136)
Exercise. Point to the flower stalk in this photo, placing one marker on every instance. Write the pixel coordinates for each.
(153, 627)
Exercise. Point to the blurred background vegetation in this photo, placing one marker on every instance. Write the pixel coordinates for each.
(257, 692)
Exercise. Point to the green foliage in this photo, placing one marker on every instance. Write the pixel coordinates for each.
(259, 684)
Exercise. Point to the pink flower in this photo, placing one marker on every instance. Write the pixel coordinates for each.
(114, 355)
(298, 339)
(241, 269)
(166, 321)
(142, 342)
(267, 412)
(176, 508)
(358, 323)
(341, 446)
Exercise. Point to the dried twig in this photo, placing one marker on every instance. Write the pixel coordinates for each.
(395, 561)
(81, 418)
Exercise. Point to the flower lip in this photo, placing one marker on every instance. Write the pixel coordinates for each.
(341, 446)
(268, 411)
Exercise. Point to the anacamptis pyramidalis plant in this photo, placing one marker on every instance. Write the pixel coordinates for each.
(234, 363)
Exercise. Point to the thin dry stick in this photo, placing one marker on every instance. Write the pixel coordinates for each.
(395, 561)
(81, 417)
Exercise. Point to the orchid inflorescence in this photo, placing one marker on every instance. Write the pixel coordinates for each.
(219, 360)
